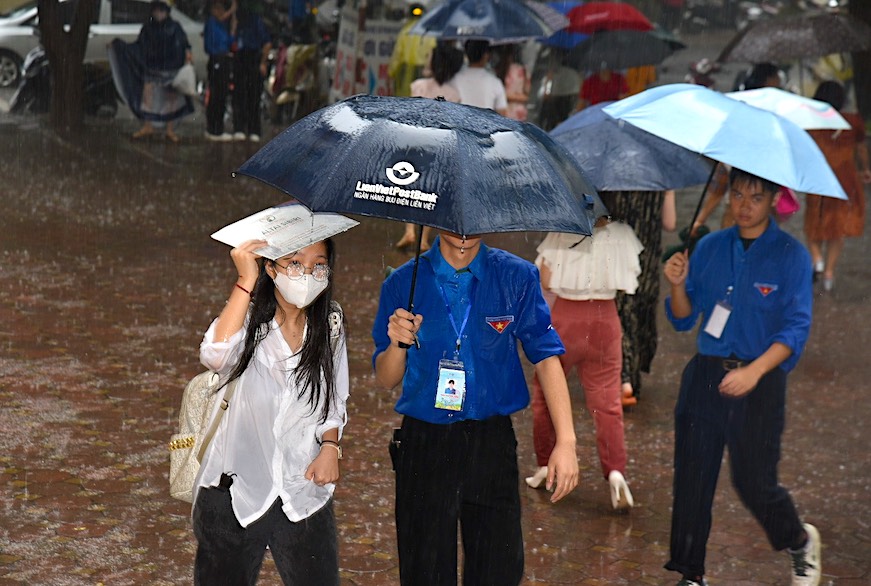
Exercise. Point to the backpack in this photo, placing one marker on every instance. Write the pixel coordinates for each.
(195, 431)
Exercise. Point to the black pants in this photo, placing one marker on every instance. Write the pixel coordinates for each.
(247, 88)
(220, 77)
(705, 422)
(305, 553)
(467, 473)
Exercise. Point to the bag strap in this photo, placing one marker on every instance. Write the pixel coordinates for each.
(225, 404)
(335, 320)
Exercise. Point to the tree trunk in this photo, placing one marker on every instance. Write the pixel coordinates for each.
(862, 63)
(66, 52)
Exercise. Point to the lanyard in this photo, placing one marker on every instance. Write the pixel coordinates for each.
(459, 331)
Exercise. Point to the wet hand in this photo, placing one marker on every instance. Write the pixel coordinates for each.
(739, 382)
(402, 327)
(245, 260)
(677, 268)
(325, 468)
(562, 471)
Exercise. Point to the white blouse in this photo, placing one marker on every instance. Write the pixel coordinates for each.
(269, 436)
(597, 267)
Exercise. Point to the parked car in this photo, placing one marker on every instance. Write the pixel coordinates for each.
(122, 19)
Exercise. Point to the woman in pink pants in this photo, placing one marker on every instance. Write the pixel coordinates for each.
(584, 274)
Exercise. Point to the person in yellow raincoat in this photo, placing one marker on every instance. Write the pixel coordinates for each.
(410, 55)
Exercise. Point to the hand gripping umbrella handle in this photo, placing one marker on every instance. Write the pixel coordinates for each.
(413, 283)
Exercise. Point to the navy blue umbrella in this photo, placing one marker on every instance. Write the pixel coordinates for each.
(459, 168)
(463, 169)
(620, 157)
(497, 21)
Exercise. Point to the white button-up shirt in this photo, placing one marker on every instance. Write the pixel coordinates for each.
(269, 435)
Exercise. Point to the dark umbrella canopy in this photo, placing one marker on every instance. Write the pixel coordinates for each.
(620, 157)
(621, 50)
(463, 169)
(497, 21)
(798, 37)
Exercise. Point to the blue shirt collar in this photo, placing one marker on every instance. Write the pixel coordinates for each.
(443, 270)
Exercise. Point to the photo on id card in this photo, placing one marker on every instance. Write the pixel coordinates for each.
(451, 388)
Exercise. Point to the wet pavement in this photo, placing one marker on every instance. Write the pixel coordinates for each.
(108, 279)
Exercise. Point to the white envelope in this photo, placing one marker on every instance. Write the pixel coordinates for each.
(286, 228)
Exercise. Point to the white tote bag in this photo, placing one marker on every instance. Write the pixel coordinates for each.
(185, 81)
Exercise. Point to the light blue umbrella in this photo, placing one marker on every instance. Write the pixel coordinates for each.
(732, 132)
(620, 157)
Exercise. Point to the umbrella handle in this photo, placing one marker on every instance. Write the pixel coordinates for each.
(410, 306)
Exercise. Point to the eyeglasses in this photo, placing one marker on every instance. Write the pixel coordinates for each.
(295, 270)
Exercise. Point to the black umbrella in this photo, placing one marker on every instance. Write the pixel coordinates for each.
(622, 49)
(463, 169)
(798, 37)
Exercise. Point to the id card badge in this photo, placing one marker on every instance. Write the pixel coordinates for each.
(451, 390)
(717, 322)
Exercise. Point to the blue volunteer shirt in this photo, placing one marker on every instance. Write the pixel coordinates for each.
(506, 308)
(771, 295)
(216, 37)
(252, 34)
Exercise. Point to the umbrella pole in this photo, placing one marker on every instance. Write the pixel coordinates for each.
(414, 270)
(701, 200)
(410, 306)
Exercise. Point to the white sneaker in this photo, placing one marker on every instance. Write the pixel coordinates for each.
(239, 136)
(621, 497)
(807, 564)
(225, 137)
(538, 479)
(254, 138)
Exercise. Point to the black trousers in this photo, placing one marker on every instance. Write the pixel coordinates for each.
(705, 422)
(220, 77)
(247, 89)
(305, 553)
(462, 473)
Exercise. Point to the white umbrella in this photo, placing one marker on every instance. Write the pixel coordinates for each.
(804, 112)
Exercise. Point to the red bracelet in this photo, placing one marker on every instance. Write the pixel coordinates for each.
(244, 289)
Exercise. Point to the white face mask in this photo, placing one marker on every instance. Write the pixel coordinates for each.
(301, 291)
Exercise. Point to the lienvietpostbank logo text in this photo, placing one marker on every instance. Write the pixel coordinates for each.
(400, 174)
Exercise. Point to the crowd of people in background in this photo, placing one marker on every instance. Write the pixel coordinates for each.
(604, 286)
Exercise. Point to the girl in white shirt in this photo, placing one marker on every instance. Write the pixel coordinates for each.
(268, 476)
(584, 274)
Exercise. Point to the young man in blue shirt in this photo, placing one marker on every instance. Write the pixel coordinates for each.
(456, 460)
(218, 38)
(751, 284)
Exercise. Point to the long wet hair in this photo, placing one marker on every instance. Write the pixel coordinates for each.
(316, 355)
